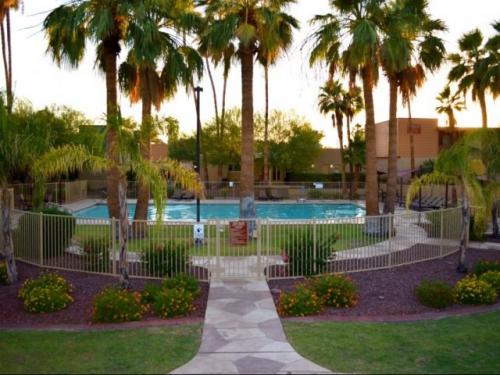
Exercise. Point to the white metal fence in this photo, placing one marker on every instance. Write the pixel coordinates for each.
(237, 249)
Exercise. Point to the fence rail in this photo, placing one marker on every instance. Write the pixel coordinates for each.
(217, 249)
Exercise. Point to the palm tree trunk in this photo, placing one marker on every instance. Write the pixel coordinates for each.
(392, 167)
(371, 190)
(351, 167)
(412, 141)
(464, 234)
(266, 125)
(223, 117)
(451, 123)
(340, 133)
(5, 61)
(112, 152)
(10, 94)
(214, 94)
(143, 191)
(357, 170)
(484, 112)
(494, 220)
(123, 228)
(247, 179)
(8, 250)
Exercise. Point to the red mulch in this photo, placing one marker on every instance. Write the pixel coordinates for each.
(85, 287)
(390, 292)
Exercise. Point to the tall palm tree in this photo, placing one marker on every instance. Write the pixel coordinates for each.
(448, 104)
(242, 22)
(5, 32)
(356, 155)
(330, 100)
(276, 39)
(68, 28)
(154, 36)
(357, 24)
(471, 68)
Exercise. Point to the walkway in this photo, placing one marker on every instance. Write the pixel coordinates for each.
(243, 334)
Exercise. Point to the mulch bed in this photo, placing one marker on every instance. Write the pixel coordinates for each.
(85, 287)
(390, 292)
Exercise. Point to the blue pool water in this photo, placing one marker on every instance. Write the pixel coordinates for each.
(177, 211)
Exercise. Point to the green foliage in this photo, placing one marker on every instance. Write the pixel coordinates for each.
(484, 266)
(3, 273)
(48, 293)
(324, 194)
(335, 290)
(308, 257)
(116, 305)
(149, 293)
(183, 281)
(170, 303)
(436, 294)
(300, 302)
(96, 253)
(492, 278)
(166, 260)
(58, 228)
(473, 291)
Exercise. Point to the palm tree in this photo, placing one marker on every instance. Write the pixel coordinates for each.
(356, 23)
(355, 155)
(449, 103)
(242, 22)
(330, 100)
(5, 32)
(68, 28)
(472, 68)
(154, 36)
(464, 164)
(277, 38)
(70, 158)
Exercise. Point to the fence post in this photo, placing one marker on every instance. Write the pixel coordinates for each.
(441, 235)
(260, 272)
(113, 246)
(40, 236)
(217, 250)
(315, 268)
(391, 226)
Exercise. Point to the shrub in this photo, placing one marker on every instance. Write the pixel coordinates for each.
(3, 273)
(48, 293)
(183, 281)
(115, 305)
(486, 265)
(473, 291)
(492, 278)
(300, 302)
(170, 303)
(96, 250)
(299, 250)
(436, 294)
(166, 260)
(335, 290)
(324, 194)
(149, 293)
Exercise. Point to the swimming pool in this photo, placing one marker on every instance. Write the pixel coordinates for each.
(209, 211)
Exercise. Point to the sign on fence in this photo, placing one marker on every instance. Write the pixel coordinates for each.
(198, 232)
(238, 233)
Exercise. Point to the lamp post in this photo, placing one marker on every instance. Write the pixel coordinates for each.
(197, 91)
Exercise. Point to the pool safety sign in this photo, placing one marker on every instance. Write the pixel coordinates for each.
(198, 232)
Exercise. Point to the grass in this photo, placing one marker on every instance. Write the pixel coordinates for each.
(452, 345)
(273, 239)
(151, 350)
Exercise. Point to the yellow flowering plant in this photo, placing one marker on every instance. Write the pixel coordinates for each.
(474, 291)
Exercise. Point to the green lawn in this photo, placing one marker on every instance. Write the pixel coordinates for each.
(452, 345)
(151, 350)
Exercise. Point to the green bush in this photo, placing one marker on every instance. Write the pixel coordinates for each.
(96, 253)
(166, 260)
(324, 194)
(492, 278)
(302, 258)
(48, 293)
(170, 303)
(183, 281)
(3, 273)
(335, 290)
(473, 291)
(116, 305)
(486, 265)
(300, 302)
(436, 294)
(149, 293)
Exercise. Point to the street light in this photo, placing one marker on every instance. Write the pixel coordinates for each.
(197, 91)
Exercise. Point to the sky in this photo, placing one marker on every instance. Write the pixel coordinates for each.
(293, 84)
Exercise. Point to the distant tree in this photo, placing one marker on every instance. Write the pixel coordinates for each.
(355, 154)
(448, 104)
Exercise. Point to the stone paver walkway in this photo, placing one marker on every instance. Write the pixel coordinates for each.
(243, 334)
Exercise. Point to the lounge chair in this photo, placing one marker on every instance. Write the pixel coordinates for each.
(188, 195)
(177, 194)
